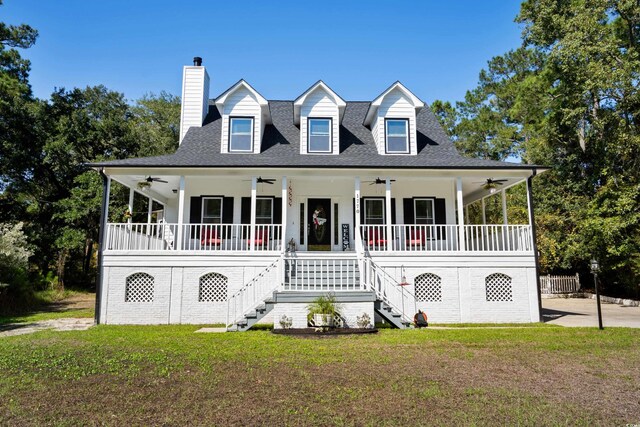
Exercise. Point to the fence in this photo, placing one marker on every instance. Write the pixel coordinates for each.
(559, 284)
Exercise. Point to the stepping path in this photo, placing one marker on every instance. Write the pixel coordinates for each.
(69, 324)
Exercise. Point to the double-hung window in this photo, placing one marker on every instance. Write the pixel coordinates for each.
(374, 211)
(264, 210)
(423, 211)
(319, 136)
(212, 210)
(240, 134)
(397, 135)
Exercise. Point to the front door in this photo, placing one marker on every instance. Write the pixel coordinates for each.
(319, 224)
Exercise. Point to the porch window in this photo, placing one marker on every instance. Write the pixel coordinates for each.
(240, 134)
(374, 211)
(264, 210)
(397, 135)
(423, 211)
(319, 138)
(212, 210)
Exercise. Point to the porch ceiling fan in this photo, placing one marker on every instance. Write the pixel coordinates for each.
(491, 183)
(262, 180)
(379, 181)
(146, 183)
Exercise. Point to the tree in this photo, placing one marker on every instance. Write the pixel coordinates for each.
(569, 98)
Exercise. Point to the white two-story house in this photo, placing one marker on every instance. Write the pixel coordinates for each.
(268, 204)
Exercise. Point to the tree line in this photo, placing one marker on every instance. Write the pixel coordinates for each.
(567, 98)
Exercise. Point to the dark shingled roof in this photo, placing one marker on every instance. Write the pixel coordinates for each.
(281, 146)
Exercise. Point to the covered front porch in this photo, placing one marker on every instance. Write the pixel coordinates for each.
(396, 212)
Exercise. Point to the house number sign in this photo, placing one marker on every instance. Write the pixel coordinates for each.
(290, 194)
(345, 237)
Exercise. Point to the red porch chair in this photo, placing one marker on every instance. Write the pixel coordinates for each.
(210, 237)
(262, 238)
(375, 239)
(417, 237)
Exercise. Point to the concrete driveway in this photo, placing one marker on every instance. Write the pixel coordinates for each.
(583, 312)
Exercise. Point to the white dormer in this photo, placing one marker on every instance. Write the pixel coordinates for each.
(318, 112)
(244, 114)
(392, 119)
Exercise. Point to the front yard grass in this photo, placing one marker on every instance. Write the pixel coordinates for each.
(141, 375)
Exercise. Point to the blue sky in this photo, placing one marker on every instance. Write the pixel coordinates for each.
(436, 48)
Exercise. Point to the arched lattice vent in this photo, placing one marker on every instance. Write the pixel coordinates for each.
(498, 287)
(213, 288)
(428, 288)
(139, 288)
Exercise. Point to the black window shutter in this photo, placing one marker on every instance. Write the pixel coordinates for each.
(407, 205)
(195, 215)
(227, 215)
(440, 215)
(393, 211)
(245, 210)
(227, 210)
(277, 210)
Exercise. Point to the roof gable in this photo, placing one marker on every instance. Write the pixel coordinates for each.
(242, 84)
(414, 100)
(319, 85)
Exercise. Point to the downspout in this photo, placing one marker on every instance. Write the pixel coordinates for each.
(534, 240)
(101, 235)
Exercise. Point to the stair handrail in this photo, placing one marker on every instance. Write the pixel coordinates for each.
(251, 294)
(388, 289)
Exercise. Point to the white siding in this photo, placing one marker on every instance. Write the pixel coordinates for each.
(242, 103)
(395, 105)
(320, 104)
(195, 98)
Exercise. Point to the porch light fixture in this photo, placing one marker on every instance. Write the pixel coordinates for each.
(403, 281)
(595, 268)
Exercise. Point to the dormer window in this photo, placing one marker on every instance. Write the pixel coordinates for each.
(240, 134)
(319, 140)
(397, 136)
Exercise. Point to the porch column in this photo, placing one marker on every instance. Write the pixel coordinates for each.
(357, 237)
(388, 214)
(460, 202)
(149, 210)
(504, 207)
(285, 199)
(130, 206)
(179, 244)
(534, 244)
(484, 213)
(252, 232)
(103, 237)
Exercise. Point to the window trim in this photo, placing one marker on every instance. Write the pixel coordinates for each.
(253, 130)
(202, 208)
(386, 136)
(330, 151)
(433, 209)
(384, 209)
(270, 198)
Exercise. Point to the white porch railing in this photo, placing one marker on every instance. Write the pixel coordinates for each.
(195, 237)
(498, 238)
(389, 290)
(321, 275)
(445, 238)
(559, 284)
(252, 294)
(140, 237)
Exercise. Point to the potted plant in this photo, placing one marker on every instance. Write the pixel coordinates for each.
(323, 311)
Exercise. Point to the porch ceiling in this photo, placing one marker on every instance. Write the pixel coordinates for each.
(472, 180)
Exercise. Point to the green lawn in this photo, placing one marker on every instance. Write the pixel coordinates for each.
(54, 305)
(128, 375)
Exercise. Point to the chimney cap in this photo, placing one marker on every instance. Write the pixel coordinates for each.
(197, 61)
